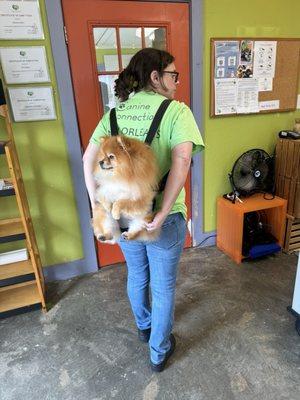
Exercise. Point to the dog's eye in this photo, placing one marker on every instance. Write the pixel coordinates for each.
(111, 156)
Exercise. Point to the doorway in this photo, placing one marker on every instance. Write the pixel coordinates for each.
(102, 36)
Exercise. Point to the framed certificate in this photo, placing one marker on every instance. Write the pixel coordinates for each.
(32, 103)
(20, 19)
(24, 64)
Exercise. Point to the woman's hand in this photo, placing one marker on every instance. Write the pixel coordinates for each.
(157, 222)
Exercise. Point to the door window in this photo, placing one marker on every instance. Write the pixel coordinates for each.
(131, 43)
(105, 40)
(156, 38)
(114, 47)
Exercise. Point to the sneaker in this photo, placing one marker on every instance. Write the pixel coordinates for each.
(161, 366)
(144, 335)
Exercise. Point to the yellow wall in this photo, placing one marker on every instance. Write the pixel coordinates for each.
(226, 138)
(46, 172)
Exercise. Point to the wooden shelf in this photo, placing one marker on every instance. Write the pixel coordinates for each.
(7, 192)
(20, 295)
(230, 221)
(292, 236)
(2, 147)
(11, 227)
(256, 202)
(22, 284)
(15, 269)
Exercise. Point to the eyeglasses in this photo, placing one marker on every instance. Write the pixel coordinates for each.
(175, 75)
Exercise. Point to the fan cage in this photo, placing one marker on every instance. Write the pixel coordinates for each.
(261, 184)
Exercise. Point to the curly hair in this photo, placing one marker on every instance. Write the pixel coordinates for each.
(136, 76)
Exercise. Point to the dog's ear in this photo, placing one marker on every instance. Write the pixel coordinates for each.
(121, 142)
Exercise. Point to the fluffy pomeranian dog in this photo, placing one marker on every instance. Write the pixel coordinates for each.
(127, 179)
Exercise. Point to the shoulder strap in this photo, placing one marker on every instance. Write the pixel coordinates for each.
(113, 122)
(153, 128)
(156, 120)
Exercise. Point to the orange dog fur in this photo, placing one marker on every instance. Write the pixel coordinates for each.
(127, 179)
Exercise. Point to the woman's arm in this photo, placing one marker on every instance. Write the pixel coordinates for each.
(181, 161)
(88, 159)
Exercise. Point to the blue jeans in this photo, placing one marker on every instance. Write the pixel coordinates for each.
(155, 264)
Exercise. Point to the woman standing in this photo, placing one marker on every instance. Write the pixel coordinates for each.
(149, 79)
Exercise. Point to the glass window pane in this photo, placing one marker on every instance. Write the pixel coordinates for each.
(107, 89)
(105, 40)
(156, 38)
(131, 43)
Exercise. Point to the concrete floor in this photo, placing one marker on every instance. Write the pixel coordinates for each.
(235, 338)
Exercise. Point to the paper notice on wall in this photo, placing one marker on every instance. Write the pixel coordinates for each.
(20, 20)
(269, 105)
(226, 58)
(264, 59)
(298, 101)
(265, 84)
(247, 95)
(225, 96)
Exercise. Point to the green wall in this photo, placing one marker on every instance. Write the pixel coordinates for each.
(45, 166)
(42, 145)
(226, 138)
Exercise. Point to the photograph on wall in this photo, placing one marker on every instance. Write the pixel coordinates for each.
(246, 52)
(24, 64)
(20, 19)
(245, 67)
(244, 71)
(226, 58)
(32, 103)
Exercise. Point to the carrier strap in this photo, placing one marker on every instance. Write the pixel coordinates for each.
(153, 127)
(113, 122)
(157, 120)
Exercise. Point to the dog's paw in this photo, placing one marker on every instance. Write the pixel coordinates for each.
(115, 211)
(129, 235)
(106, 206)
(125, 235)
(106, 239)
(103, 238)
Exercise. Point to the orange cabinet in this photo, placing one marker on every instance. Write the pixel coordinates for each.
(230, 221)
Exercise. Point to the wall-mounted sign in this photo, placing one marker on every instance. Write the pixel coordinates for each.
(32, 103)
(24, 64)
(20, 19)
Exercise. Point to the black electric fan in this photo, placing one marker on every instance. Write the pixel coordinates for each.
(253, 172)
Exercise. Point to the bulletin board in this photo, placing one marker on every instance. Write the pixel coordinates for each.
(253, 75)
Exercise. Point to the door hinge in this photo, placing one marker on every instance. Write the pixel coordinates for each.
(66, 35)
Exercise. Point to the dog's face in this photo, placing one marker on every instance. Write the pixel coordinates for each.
(114, 157)
(123, 160)
(108, 158)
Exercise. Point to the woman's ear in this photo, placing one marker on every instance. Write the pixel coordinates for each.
(154, 76)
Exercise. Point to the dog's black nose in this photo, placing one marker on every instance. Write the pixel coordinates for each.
(101, 238)
(101, 163)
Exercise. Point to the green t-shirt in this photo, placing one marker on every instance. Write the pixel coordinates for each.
(178, 125)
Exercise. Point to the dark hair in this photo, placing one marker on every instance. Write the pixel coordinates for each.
(136, 76)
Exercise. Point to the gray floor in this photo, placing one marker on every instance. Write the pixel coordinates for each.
(235, 338)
